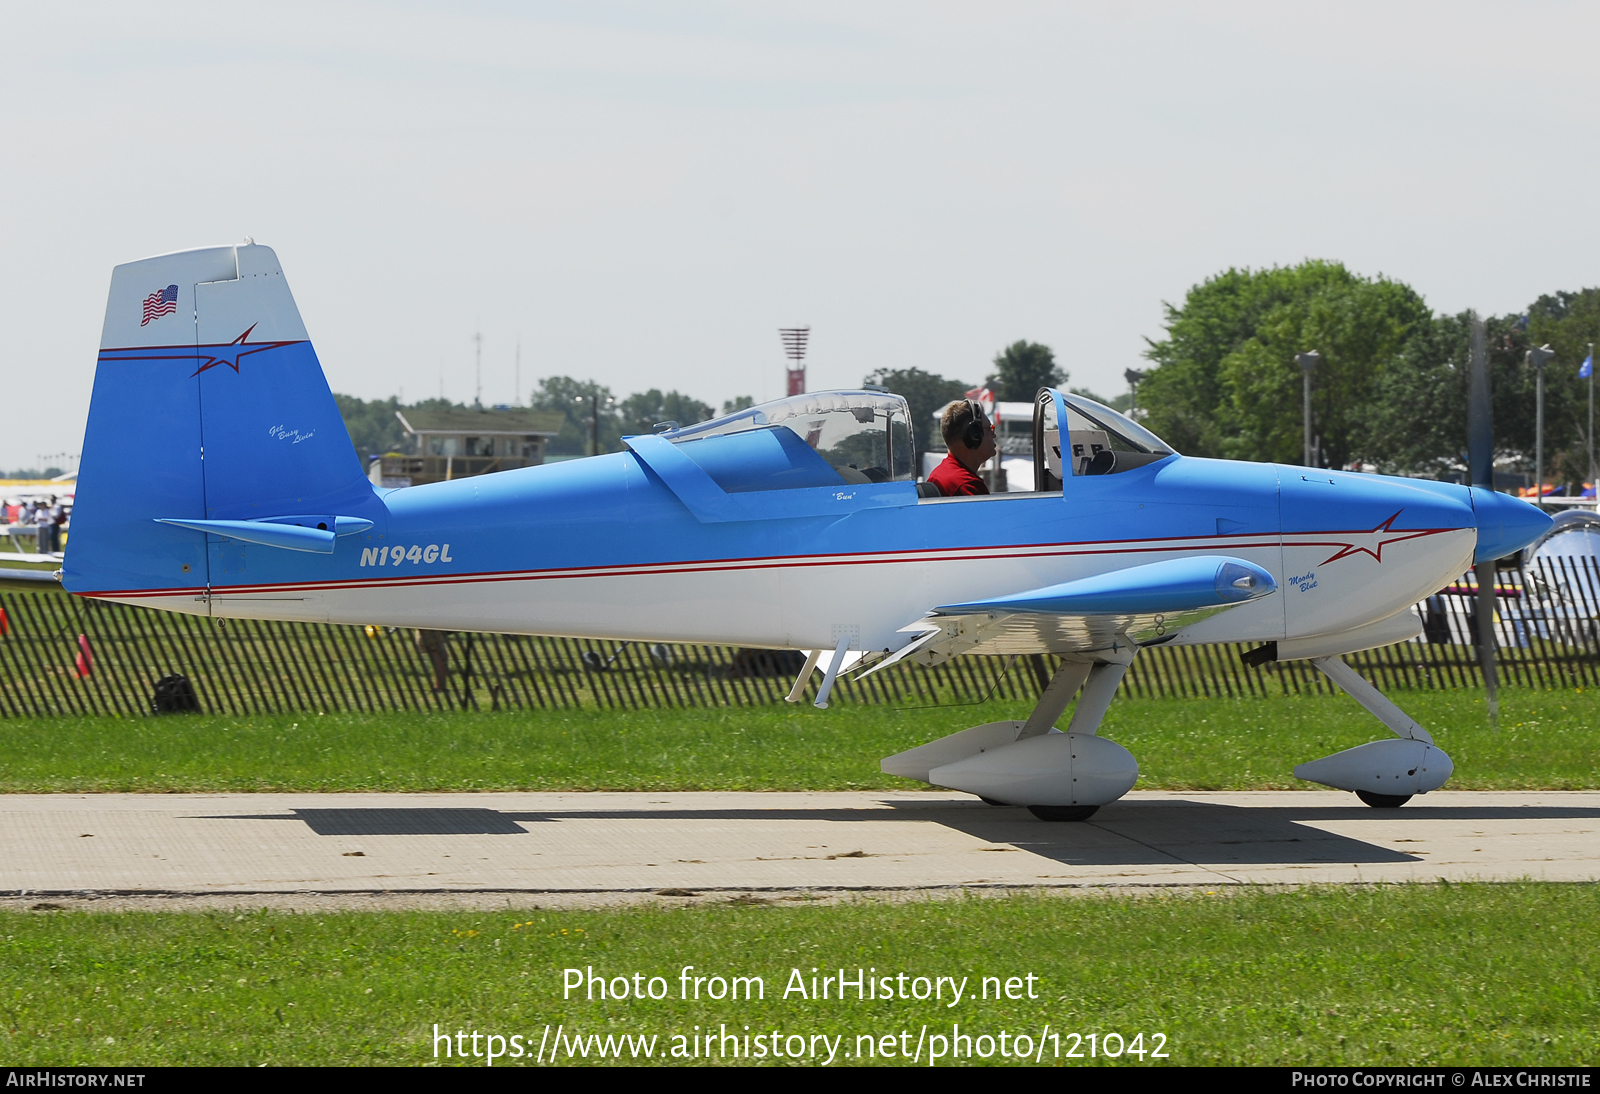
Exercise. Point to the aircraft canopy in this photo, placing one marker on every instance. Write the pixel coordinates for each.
(865, 436)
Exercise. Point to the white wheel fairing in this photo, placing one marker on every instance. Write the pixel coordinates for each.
(1053, 769)
(1397, 767)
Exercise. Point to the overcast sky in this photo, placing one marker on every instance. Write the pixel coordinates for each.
(644, 192)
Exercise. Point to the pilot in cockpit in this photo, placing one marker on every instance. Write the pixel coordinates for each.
(971, 440)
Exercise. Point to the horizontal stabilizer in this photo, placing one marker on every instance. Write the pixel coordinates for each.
(1177, 585)
(315, 534)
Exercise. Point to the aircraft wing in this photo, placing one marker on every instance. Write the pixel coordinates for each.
(1138, 606)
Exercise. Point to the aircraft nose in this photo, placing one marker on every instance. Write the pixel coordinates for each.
(1505, 523)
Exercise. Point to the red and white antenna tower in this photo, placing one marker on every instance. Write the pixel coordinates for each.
(794, 348)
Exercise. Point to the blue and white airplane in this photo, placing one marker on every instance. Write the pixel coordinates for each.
(218, 479)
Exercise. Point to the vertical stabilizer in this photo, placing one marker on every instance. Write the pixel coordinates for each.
(209, 403)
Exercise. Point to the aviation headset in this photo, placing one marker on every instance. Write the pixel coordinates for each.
(972, 436)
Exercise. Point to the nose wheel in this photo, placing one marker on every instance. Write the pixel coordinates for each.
(1063, 812)
(1383, 801)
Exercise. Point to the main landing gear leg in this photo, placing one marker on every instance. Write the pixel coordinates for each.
(798, 692)
(1098, 691)
(1054, 698)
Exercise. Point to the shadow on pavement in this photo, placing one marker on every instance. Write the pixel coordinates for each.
(1129, 832)
(419, 821)
(1120, 834)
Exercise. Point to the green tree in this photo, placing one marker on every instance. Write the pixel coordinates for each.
(738, 403)
(641, 413)
(372, 425)
(926, 394)
(1419, 419)
(1021, 369)
(1227, 384)
(1119, 403)
(574, 400)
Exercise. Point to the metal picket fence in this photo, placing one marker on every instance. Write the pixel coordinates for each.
(65, 655)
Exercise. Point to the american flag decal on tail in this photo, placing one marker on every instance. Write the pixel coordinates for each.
(159, 303)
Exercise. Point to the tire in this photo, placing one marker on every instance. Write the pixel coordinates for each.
(1063, 812)
(1383, 801)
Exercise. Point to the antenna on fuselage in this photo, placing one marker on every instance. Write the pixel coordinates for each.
(1480, 470)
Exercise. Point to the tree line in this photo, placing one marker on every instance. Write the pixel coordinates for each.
(1016, 373)
(1391, 390)
(374, 429)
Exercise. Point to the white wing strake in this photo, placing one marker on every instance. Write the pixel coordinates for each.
(1138, 606)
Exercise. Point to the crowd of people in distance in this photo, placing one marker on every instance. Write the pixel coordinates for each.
(45, 517)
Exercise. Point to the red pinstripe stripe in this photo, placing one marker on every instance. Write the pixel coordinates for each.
(954, 554)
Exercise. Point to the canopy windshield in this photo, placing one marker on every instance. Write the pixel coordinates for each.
(1126, 435)
(1099, 440)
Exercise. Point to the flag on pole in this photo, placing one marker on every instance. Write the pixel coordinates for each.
(1586, 370)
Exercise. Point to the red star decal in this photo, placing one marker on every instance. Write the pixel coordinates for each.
(240, 349)
(1373, 542)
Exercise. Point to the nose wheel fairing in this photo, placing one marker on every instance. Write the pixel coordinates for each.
(1383, 774)
(1394, 769)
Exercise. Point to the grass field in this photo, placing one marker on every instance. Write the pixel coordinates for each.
(1464, 974)
(1473, 974)
(1545, 740)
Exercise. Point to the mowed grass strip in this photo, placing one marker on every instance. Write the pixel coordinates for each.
(1545, 740)
(1465, 974)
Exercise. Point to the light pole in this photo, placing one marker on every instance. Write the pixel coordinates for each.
(1133, 376)
(594, 418)
(1537, 359)
(1307, 362)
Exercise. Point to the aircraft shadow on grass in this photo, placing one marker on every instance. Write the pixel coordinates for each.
(1141, 833)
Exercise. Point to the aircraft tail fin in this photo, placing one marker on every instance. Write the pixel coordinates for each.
(209, 404)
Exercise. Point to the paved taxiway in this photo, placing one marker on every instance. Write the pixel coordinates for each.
(608, 848)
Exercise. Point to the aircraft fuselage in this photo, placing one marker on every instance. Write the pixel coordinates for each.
(602, 548)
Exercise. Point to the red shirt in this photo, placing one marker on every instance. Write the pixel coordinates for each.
(953, 480)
